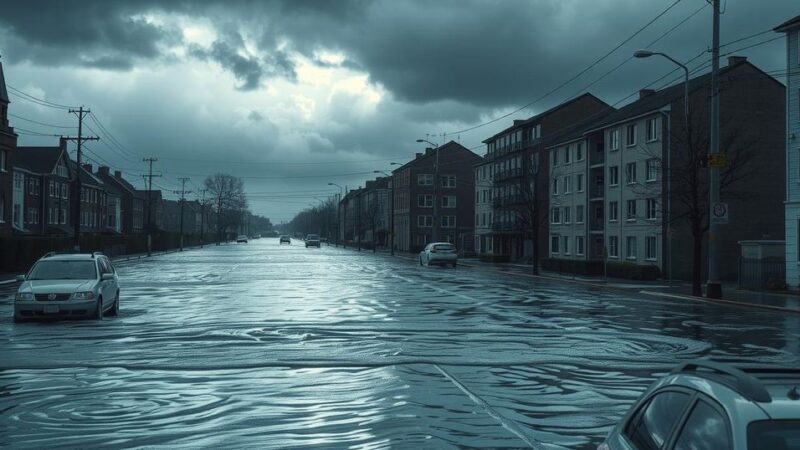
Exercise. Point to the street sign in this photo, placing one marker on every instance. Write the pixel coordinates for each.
(717, 161)
(719, 213)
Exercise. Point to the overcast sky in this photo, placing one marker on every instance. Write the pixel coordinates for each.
(292, 95)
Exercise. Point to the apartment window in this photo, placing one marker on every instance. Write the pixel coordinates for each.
(64, 190)
(630, 247)
(630, 135)
(613, 246)
(448, 181)
(18, 181)
(15, 214)
(630, 210)
(567, 184)
(651, 208)
(50, 215)
(579, 243)
(448, 201)
(652, 129)
(630, 173)
(567, 214)
(424, 221)
(651, 171)
(613, 175)
(553, 158)
(613, 211)
(555, 185)
(565, 244)
(62, 216)
(425, 200)
(554, 240)
(425, 179)
(567, 156)
(3, 161)
(579, 182)
(555, 215)
(52, 188)
(61, 170)
(579, 152)
(650, 248)
(579, 214)
(613, 140)
(448, 221)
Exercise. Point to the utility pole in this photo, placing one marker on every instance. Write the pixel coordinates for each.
(183, 193)
(76, 198)
(713, 285)
(150, 176)
(202, 215)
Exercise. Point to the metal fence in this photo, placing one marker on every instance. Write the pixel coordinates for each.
(762, 273)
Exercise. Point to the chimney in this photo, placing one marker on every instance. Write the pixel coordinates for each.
(118, 174)
(645, 92)
(428, 151)
(87, 167)
(518, 121)
(103, 170)
(419, 155)
(733, 60)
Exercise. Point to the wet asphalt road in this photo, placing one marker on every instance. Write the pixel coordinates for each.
(262, 345)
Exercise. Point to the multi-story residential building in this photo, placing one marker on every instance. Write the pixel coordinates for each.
(612, 189)
(131, 201)
(94, 201)
(350, 207)
(8, 144)
(792, 157)
(517, 165)
(42, 190)
(375, 212)
(152, 200)
(434, 198)
(483, 208)
(191, 215)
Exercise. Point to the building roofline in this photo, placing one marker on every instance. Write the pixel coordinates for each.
(789, 25)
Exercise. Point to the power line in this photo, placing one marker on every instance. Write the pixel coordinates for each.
(24, 95)
(42, 123)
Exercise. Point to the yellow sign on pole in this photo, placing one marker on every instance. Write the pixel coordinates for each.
(717, 160)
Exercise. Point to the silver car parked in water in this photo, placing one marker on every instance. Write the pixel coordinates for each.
(442, 253)
(68, 286)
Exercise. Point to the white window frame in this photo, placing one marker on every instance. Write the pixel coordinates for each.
(424, 179)
(579, 184)
(628, 129)
(567, 214)
(628, 253)
(567, 184)
(651, 209)
(565, 245)
(555, 185)
(555, 239)
(613, 211)
(422, 200)
(651, 168)
(613, 246)
(448, 221)
(650, 248)
(446, 201)
(651, 129)
(448, 179)
(567, 156)
(613, 140)
(555, 215)
(580, 155)
(580, 246)
(579, 218)
(613, 176)
(423, 222)
(630, 173)
(630, 213)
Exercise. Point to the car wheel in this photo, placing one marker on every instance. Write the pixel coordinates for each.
(98, 312)
(114, 311)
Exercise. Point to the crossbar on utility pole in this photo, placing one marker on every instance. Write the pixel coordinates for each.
(81, 113)
(183, 193)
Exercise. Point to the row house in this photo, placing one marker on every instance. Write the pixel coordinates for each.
(192, 211)
(514, 179)
(434, 198)
(8, 145)
(791, 28)
(349, 215)
(129, 205)
(93, 201)
(619, 186)
(42, 189)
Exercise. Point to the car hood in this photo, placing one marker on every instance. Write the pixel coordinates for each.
(56, 286)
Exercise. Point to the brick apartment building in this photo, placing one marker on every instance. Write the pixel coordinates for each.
(132, 201)
(8, 145)
(93, 214)
(42, 189)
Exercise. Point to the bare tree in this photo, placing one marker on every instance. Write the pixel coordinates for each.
(227, 195)
(532, 196)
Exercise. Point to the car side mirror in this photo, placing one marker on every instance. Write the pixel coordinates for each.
(20, 278)
(107, 276)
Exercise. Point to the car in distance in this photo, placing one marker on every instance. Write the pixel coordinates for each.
(68, 286)
(285, 239)
(441, 253)
(241, 239)
(312, 240)
(708, 405)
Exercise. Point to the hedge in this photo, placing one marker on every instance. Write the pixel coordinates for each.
(615, 269)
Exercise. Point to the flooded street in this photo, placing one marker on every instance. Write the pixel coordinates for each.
(264, 345)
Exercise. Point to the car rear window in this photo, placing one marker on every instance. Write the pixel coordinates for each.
(443, 248)
(313, 236)
(63, 270)
(774, 435)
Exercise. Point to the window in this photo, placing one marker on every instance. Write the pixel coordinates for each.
(64, 191)
(650, 248)
(652, 129)
(3, 161)
(2, 208)
(15, 214)
(52, 188)
(579, 152)
(425, 179)
(555, 215)
(425, 200)
(651, 171)
(613, 246)
(565, 241)
(448, 181)
(50, 215)
(567, 155)
(630, 173)
(554, 240)
(630, 210)
(424, 221)
(707, 428)
(448, 201)
(553, 157)
(613, 211)
(630, 247)
(61, 170)
(613, 175)
(651, 209)
(448, 221)
(630, 135)
(567, 214)
(579, 182)
(555, 185)
(63, 216)
(579, 245)
(613, 140)
(650, 427)
(579, 214)
(567, 184)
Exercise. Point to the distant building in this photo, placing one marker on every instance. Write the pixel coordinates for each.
(94, 201)
(131, 204)
(8, 145)
(483, 208)
(42, 189)
(792, 152)
(428, 209)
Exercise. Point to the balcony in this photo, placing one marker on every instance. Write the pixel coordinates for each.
(508, 174)
(510, 200)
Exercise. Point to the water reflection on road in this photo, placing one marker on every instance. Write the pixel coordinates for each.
(281, 346)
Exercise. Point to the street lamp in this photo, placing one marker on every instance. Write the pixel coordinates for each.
(647, 54)
(391, 211)
(434, 233)
(339, 214)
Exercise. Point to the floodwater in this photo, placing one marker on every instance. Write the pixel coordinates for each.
(263, 345)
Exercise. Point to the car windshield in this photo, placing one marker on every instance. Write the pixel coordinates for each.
(773, 435)
(63, 270)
